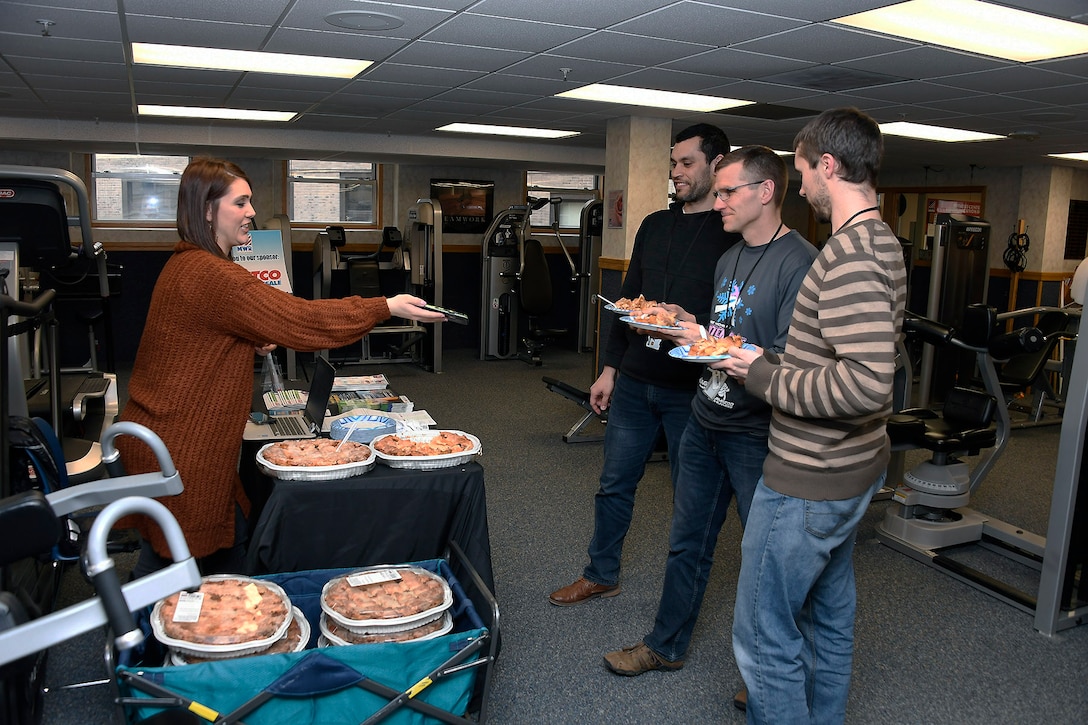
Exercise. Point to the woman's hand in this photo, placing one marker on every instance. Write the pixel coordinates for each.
(411, 307)
(263, 350)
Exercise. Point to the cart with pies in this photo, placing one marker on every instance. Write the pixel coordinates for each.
(441, 675)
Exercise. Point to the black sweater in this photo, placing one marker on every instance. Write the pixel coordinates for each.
(673, 261)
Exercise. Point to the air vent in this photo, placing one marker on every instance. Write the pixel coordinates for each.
(830, 78)
(768, 111)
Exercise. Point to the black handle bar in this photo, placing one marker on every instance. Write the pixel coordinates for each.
(928, 330)
(27, 309)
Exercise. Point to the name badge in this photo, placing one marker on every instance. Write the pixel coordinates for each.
(654, 343)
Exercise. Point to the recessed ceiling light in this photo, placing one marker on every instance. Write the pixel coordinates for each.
(977, 27)
(506, 130)
(364, 20)
(934, 133)
(1080, 156)
(228, 114)
(652, 98)
(182, 56)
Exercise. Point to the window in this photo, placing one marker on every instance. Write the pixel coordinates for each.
(575, 189)
(333, 192)
(135, 188)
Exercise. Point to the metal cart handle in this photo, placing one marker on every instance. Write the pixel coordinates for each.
(90, 614)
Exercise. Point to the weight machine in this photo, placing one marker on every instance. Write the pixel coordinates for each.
(414, 258)
(929, 519)
(517, 283)
(590, 239)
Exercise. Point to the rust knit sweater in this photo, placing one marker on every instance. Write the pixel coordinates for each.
(192, 380)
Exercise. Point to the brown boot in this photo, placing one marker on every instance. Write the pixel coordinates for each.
(740, 700)
(638, 658)
(581, 591)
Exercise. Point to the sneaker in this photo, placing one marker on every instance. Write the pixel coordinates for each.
(636, 659)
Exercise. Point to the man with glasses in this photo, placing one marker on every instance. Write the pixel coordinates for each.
(725, 441)
(644, 390)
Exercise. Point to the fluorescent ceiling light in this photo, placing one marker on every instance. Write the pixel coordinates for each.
(777, 152)
(1080, 156)
(506, 130)
(650, 97)
(977, 27)
(184, 56)
(229, 114)
(934, 133)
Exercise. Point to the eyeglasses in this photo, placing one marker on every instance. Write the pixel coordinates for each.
(728, 191)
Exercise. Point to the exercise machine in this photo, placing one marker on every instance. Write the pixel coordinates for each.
(959, 276)
(385, 272)
(517, 284)
(423, 260)
(590, 239)
(929, 518)
(38, 254)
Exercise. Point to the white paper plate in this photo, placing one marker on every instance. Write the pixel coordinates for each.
(392, 624)
(314, 473)
(213, 651)
(648, 325)
(367, 427)
(425, 463)
(681, 353)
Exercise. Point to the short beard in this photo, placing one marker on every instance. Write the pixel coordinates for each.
(698, 190)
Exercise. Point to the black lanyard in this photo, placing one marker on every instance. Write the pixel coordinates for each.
(668, 250)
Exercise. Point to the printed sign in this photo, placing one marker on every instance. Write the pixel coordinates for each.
(263, 257)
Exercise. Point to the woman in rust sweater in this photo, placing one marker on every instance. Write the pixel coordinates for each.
(192, 380)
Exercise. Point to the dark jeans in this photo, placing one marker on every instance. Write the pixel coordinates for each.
(636, 416)
(714, 467)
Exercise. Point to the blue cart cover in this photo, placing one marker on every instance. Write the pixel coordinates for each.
(320, 685)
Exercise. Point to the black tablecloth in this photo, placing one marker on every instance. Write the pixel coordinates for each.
(386, 516)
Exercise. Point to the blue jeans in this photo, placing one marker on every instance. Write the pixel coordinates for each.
(714, 467)
(636, 416)
(793, 625)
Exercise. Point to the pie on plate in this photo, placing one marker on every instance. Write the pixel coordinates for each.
(414, 594)
(233, 612)
(315, 452)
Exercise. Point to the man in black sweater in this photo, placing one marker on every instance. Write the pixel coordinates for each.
(644, 389)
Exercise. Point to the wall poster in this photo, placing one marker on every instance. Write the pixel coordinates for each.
(466, 205)
(615, 209)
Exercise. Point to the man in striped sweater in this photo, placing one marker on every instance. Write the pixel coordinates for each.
(831, 391)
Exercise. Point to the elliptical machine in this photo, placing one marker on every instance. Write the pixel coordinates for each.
(517, 286)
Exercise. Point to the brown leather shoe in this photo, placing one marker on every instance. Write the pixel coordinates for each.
(740, 700)
(581, 591)
(638, 658)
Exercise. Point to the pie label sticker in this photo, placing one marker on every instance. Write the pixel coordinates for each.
(362, 579)
(188, 609)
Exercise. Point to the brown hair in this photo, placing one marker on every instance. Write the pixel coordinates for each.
(203, 184)
(759, 163)
(849, 135)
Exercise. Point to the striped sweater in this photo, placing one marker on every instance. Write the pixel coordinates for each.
(831, 389)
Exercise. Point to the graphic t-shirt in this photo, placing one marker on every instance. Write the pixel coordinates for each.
(755, 291)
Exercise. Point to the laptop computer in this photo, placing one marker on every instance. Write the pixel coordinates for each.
(302, 424)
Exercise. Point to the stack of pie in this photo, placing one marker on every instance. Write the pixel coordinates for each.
(385, 604)
(230, 616)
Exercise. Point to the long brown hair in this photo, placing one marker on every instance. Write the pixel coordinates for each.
(203, 184)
